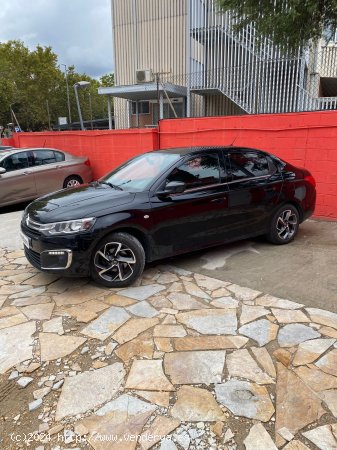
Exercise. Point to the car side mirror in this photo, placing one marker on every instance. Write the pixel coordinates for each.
(173, 187)
(2, 170)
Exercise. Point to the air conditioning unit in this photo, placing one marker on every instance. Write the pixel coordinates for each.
(144, 75)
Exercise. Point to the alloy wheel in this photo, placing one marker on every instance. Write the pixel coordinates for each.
(73, 182)
(286, 224)
(115, 262)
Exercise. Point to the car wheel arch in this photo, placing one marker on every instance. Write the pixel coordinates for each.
(135, 232)
(292, 203)
(73, 175)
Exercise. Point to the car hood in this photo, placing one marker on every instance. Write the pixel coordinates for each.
(77, 203)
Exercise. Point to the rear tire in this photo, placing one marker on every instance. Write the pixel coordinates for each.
(72, 181)
(117, 261)
(284, 225)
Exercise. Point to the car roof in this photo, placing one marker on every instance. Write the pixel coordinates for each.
(190, 150)
(11, 151)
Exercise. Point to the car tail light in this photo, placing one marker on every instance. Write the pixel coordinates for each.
(87, 163)
(310, 179)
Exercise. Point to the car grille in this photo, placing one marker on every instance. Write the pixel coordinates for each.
(32, 224)
(33, 258)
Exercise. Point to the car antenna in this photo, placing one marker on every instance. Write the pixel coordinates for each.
(234, 140)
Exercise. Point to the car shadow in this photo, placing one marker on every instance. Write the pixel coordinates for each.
(13, 208)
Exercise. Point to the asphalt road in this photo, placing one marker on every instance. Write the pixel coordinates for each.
(304, 270)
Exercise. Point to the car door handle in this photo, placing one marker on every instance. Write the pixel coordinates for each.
(58, 167)
(27, 172)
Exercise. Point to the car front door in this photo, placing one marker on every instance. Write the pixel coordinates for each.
(18, 182)
(254, 191)
(194, 218)
(47, 171)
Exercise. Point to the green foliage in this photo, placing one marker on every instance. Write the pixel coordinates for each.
(291, 23)
(107, 80)
(31, 82)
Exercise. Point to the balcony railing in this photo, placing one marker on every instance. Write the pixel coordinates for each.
(327, 61)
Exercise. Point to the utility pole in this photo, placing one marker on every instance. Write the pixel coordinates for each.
(158, 95)
(66, 74)
(90, 106)
(80, 85)
(47, 103)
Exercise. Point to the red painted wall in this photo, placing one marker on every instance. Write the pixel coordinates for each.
(304, 139)
(6, 141)
(106, 149)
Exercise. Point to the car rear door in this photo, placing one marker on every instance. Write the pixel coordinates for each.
(47, 171)
(254, 188)
(18, 182)
(195, 218)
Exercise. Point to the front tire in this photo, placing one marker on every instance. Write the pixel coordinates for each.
(117, 261)
(284, 225)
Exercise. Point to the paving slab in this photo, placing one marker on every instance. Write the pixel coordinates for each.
(328, 363)
(219, 321)
(297, 406)
(142, 292)
(323, 437)
(196, 405)
(241, 364)
(89, 389)
(148, 376)
(195, 367)
(107, 323)
(294, 334)
(16, 345)
(245, 399)
(258, 438)
(308, 351)
(53, 346)
(262, 331)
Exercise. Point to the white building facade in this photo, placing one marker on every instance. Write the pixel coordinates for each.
(182, 58)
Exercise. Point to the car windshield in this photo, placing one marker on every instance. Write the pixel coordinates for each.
(140, 172)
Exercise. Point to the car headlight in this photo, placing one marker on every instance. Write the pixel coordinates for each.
(68, 227)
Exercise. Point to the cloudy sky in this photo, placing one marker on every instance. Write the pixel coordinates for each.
(79, 31)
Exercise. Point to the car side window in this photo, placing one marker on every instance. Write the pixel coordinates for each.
(248, 165)
(15, 162)
(59, 156)
(201, 170)
(42, 157)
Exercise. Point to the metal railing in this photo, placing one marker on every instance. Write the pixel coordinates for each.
(327, 61)
(260, 87)
(327, 103)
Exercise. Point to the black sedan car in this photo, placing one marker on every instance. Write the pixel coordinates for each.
(165, 203)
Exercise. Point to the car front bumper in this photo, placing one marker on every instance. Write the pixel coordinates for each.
(66, 255)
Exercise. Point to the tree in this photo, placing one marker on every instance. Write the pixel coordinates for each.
(107, 80)
(34, 87)
(291, 23)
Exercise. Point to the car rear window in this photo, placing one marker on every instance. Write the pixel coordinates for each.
(59, 156)
(248, 165)
(42, 157)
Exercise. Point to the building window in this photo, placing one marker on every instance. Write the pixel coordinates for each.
(143, 108)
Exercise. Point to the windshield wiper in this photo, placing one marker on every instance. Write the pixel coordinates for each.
(114, 186)
(125, 182)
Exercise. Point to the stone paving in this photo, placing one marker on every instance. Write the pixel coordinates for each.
(180, 361)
